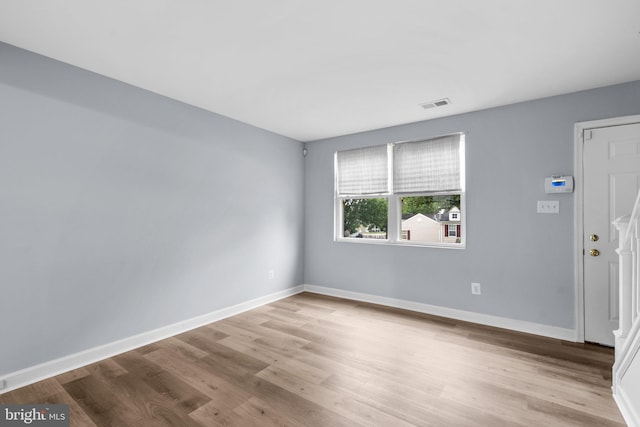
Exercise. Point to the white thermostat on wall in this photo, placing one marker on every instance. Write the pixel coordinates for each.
(558, 184)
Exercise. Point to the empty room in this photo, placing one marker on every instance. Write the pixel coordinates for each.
(409, 213)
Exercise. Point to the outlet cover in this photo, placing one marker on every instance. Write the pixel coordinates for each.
(476, 289)
(272, 274)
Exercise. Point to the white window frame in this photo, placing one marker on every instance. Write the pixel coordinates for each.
(394, 215)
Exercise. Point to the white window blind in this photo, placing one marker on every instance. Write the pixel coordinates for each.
(363, 171)
(432, 165)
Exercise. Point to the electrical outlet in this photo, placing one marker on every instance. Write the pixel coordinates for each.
(272, 274)
(548, 206)
(475, 289)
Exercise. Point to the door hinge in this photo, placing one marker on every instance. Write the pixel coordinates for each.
(587, 135)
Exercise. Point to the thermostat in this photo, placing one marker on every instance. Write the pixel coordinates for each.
(558, 184)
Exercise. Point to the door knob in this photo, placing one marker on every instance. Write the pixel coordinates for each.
(594, 252)
(594, 237)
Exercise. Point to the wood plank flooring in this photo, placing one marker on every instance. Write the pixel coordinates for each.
(311, 360)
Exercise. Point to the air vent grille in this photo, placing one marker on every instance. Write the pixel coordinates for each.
(439, 103)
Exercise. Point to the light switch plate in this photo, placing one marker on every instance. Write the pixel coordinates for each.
(549, 206)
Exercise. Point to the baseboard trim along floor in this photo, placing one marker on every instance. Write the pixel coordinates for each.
(55, 367)
(314, 360)
(451, 313)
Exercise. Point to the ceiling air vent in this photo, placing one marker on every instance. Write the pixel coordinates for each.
(439, 103)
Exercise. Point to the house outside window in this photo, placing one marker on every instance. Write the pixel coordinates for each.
(404, 193)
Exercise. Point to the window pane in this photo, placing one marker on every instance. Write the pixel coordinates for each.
(431, 219)
(365, 218)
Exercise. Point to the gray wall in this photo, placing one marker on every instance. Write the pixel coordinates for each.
(523, 260)
(122, 211)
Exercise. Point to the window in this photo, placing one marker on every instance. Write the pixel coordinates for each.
(402, 193)
(424, 218)
(365, 218)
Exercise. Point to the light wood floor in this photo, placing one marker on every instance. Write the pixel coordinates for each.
(310, 360)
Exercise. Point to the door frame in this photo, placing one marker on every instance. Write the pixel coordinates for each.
(578, 208)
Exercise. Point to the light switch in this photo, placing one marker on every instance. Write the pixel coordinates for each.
(549, 206)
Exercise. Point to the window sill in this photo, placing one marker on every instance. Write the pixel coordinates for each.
(386, 242)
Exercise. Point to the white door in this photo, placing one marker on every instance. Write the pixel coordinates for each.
(611, 173)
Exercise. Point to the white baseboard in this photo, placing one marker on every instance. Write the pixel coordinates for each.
(452, 313)
(626, 356)
(55, 367)
(626, 406)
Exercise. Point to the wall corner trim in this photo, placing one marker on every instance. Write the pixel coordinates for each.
(64, 364)
(452, 313)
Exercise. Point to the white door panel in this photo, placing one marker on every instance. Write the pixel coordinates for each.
(611, 163)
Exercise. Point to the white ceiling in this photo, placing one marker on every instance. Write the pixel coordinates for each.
(311, 70)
